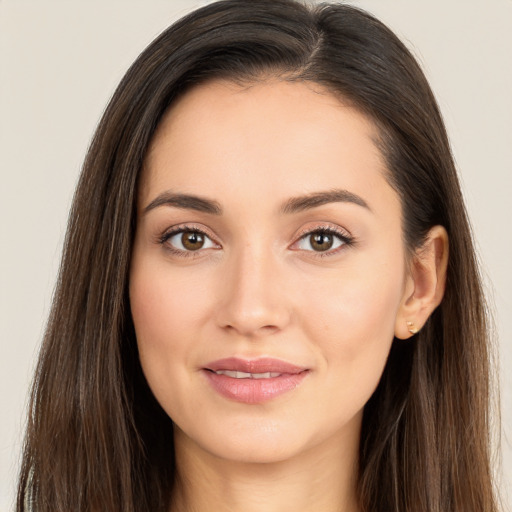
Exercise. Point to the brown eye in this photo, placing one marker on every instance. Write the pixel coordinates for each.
(321, 241)
(192, 240)
(188, 240)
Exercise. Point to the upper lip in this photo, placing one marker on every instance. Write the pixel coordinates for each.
(262, 365)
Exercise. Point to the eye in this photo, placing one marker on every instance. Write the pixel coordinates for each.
(323, 240)
(184, 240)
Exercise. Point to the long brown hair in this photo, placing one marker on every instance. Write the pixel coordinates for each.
(97, 439)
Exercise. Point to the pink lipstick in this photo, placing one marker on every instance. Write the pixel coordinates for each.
(253, 381)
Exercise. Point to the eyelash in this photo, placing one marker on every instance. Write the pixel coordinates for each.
(347, 240)
(181, 229)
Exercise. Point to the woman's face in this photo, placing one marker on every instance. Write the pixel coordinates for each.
(268, 269)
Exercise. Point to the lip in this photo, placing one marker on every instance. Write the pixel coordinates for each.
(262, 365)
(254, 390)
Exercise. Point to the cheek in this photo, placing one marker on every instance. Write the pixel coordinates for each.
(168, 310)
(165, 302)
(353, 321)
(356, 303)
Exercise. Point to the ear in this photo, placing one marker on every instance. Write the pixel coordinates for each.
(424, 285)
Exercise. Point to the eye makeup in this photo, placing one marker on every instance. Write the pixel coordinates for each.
(321, 240)
(199, 236)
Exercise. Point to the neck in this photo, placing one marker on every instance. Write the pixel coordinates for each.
(321, 479)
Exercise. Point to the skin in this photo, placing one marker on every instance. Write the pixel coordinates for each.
(259, 288)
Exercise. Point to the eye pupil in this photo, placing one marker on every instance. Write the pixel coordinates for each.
(321, 241)
(192, 240)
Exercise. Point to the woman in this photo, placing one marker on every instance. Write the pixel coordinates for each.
(268, 298)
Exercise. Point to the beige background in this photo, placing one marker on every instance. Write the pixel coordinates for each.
(59, 64)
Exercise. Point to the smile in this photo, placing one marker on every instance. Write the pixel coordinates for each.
(244, 375)
(253, 381)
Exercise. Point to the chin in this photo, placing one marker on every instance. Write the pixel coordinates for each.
(271, 452)
(255, 443)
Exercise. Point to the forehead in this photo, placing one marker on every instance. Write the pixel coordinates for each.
(266, 137)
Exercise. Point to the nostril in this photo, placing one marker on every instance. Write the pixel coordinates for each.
(269, 328)
(264, 330)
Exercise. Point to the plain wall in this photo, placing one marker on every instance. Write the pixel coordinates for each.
(59, 64)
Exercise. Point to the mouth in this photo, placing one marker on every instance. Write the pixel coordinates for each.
(253, 381)
(244, 375)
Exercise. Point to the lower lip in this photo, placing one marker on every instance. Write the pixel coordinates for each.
(254, 391)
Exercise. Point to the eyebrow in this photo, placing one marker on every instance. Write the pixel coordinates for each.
(292, 205)
(186, 202)
(315, 199)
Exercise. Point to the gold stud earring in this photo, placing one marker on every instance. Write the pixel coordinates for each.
(412, 328)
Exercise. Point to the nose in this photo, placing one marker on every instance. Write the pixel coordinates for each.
(252, 298)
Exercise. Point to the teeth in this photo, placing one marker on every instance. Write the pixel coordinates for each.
(244, 375)
(260, 375)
